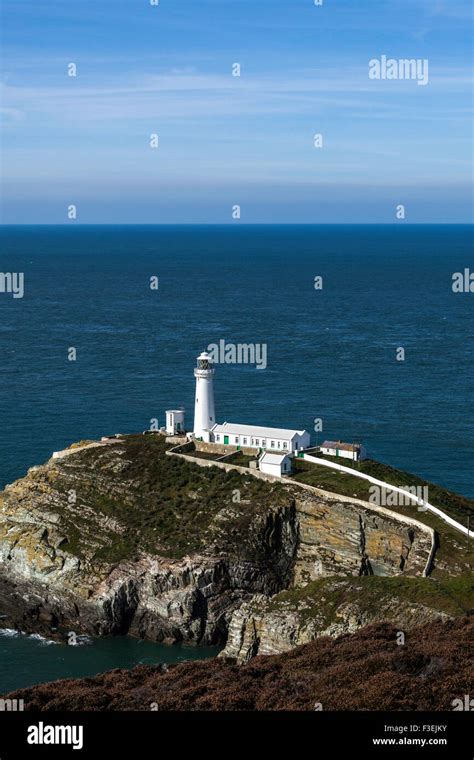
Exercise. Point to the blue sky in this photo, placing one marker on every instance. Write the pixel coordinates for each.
(226, 140)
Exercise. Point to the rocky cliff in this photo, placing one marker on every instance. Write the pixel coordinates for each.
(121, 538)
(337, 606)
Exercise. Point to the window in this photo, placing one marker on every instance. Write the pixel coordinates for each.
(278, 444)
(245, 441)
(236, 438)
(272, 446)
(285, 445)
(218, 438)
(257, 442)
(263, 442)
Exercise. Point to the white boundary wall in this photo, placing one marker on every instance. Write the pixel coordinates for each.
(375, 481)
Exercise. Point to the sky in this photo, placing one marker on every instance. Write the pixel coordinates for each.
(226, 141)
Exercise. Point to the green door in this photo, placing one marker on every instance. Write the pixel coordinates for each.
(226, 439)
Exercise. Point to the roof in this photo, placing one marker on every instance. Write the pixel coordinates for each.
(256, 431)
(272, 458)
(340, 445)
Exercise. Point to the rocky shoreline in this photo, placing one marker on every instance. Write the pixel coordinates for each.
(367, 670)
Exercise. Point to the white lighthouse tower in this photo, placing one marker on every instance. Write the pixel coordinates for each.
(204, 414)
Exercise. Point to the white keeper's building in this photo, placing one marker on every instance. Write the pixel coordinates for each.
(256, 437)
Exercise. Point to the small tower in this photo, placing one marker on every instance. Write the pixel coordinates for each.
(204, 415)
(175, 421)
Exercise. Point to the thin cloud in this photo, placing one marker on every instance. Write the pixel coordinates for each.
(186, 93)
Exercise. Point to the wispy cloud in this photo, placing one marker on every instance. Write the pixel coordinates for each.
(304, 70)
(190, 94)
(452, 9)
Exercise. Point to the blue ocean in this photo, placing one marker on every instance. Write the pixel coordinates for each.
(331, 351)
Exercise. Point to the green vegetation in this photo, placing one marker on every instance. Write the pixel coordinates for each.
(202, 455)
(236, 457)
(133, 498)
(330, 480)
(456, 506)
(240, 459)
(453, 596)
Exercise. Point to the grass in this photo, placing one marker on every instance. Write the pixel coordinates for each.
(161, 504)
(453, 596)
(132, 498)
(202, 455)
(233, 457)
(456, 506)
(330, 480)
(241, 460)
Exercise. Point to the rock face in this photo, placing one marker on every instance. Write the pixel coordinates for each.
(334, 607)
(121, 538)
(340, 537)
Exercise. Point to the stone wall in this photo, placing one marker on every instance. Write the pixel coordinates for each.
(176, 439)
(218, 448)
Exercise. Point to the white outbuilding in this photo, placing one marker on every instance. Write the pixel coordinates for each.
(175, 421)
(275, 464)
(354, 451)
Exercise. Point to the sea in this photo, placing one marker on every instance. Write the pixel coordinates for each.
(362, 333)
(28, 660)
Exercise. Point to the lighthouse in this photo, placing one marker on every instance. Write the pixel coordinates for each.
(204, 415)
